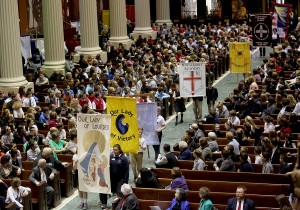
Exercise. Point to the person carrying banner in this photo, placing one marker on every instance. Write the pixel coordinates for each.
(160, 126)
(137, 159)
(119, 173)
(197, 107)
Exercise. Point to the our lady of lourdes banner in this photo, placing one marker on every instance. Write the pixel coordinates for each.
(239, 55)
(192, 79)
(94, 152)
(147, 119)
(124, 125)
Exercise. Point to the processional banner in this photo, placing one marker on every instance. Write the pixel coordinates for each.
(147, 119)
(239, 55)
(124, 124)
(93, 152)
(192, 79)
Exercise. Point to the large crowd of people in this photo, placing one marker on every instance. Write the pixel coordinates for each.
(149, 67)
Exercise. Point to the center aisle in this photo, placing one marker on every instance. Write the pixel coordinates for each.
(171, 135)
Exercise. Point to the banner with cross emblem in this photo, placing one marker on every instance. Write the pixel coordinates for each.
(192, 79)
(239, 55)
(261, 29)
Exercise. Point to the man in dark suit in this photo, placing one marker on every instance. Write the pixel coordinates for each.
(52, 163)
(240, 202)
(40, 174)
(276, 152)
(57, 99)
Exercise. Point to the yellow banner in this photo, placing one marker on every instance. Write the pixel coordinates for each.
(240, 60)
(124, 124)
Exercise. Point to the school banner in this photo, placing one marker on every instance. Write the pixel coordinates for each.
(147, 119)
(261, 29)
(239, 55)
(93, 152)
(124, 124)
(192, 79)
(280, 18)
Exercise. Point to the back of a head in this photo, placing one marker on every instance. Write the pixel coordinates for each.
(176, 172)
(225, 154)
(167, 147)
(182, 145)
(244, 157)
(126, 189)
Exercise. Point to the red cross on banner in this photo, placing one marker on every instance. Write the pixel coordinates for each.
(192, 79)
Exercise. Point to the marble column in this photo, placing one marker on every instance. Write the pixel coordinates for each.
(11, 70)
(142, 20)
(89, 29)
(53, 37)
(163, 12)
(118, 24)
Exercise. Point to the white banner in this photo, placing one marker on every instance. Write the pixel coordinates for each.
(94, 152)
(192, 79)
(26, 47)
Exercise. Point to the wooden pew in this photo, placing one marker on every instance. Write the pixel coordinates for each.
(221, 186)
(55, 183)
(188, 164)
(225, 176)
(67, 182)
(144, 204)
(38, 195)
(193, 196)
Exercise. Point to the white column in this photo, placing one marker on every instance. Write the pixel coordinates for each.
(89, 29)
(118, 24)
(163, 12)
(53, 37)
(142, 20)
(11, 70)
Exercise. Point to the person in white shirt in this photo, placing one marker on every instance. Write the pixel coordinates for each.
(29, 100)
(233, 118)
(17, 110)
(137, 159)
(233, 142)
(161, 124)
(257, 152)
(297, 107)
(269, 126)
(15, 193)
(42, 80)
(8, 136)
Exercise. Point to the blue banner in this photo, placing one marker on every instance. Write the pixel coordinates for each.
(147, 119)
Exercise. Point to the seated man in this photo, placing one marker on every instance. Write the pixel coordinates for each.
(240, 201)
(43, 173)
(185, 153)
(225, 163)
(168, 161)
(48, 155)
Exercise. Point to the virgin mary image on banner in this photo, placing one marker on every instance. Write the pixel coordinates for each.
(94, 166)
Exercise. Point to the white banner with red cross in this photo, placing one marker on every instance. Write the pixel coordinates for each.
(192, 79)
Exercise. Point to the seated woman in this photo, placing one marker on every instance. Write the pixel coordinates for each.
(15, 193)
(205, 202)
(178, 180)
(198, 162)
(185, 153)
(57, 145)
(147, 179)
(180, 200)
(16, 161)
(129, 200)
(6, 169)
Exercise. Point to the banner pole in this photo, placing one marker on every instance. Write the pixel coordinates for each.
(148, 151)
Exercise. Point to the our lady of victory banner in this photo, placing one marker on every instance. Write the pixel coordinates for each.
(147, 119)
(124, 124)
(239, 55)
(192, 79)
(94, 152)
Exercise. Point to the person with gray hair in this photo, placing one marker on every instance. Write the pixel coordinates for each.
(129, 200)
(42, 173)
(185, 153)
(213, 144)
(48, 155)
(180, 200)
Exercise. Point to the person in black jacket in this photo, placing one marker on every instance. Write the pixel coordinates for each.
(147, 179)
(275, 153)
(245, 165)
(211, 95)
(119, 172)
(284, 167)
